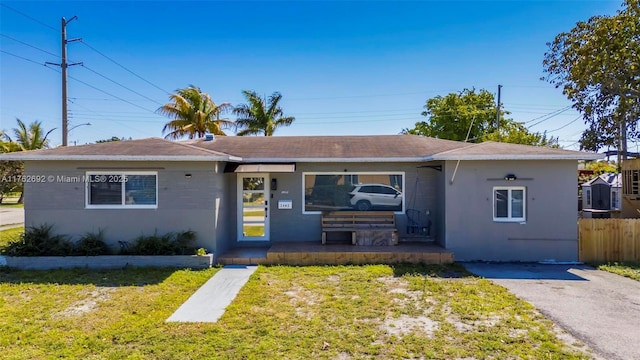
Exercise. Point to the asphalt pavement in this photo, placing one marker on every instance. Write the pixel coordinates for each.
(11, 217)
(599, 308)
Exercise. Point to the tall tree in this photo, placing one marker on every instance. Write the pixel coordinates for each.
(194, 114)
(596, 65)
(31, 137)
(472, 115)
(260, 116)
(452, 116)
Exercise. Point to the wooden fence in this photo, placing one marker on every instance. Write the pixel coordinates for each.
(608, 240)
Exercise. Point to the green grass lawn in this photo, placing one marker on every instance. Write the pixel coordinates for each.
(10, 234)
(332, 312)
(630, 270)
(11, 205)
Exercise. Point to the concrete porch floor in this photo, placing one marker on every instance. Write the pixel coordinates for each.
(303, 253)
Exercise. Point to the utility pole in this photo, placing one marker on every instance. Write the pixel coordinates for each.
(498, 109)
(63, 66)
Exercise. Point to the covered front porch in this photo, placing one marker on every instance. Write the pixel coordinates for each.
(308, 253)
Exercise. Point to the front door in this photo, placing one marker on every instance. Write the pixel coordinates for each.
(253, 207)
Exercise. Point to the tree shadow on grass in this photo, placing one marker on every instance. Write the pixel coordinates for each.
(103, 278)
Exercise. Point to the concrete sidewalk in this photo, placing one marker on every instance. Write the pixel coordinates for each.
(599, 308)
(209, 302)
(11, 217)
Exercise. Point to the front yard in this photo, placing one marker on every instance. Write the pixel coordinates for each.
(332, 312)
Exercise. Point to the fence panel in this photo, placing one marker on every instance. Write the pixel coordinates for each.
(608, 240)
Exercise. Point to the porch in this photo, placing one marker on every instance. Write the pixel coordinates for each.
(298, 253)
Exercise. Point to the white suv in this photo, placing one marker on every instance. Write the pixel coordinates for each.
(367, 196)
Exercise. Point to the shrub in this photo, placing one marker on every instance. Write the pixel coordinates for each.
(91, 244)
(40, 241)
(167, 244)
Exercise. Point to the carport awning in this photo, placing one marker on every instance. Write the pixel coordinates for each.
(261, 168)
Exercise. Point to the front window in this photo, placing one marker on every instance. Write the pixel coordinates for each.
(122, 190)
(353, 191)
(509, 203)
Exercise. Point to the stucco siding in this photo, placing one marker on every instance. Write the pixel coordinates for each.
(187, 196)
(550, 229)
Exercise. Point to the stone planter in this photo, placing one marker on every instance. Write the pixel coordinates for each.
(106, 261)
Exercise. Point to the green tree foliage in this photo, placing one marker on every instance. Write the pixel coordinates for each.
(193, 113)
(27, 137)
(112, 139)
(260, 116)
(516, 133)
(452, 116)
(596, 65)
(31, 137)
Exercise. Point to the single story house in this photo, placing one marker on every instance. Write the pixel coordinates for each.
(486, 201)
(602, 195)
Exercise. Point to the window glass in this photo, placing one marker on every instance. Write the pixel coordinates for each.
(122, 190)
(140, 189)
(353, 191)
(517, 203)
(105, 191)
(501, 205)
(509, 203)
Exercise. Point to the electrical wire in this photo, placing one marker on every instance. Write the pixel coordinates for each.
(29, 45)
(124, 68)
(565, 125)
(123, 86)
(29, 17)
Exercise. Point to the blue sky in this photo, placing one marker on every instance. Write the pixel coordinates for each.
(344, 68)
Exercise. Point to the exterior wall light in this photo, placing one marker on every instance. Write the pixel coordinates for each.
(510, 177)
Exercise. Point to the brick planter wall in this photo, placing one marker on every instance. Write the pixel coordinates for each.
(106, 261)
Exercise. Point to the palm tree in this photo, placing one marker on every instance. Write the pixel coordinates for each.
(31, 137)
(193, 113)
(260, 116)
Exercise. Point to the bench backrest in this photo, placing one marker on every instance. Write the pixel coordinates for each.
(356, 219)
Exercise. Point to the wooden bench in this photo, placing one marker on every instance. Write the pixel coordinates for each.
(359, 223)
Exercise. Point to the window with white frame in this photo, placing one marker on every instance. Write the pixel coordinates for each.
(509, 203)
(615, 199)
(122, 189)
(360, 191)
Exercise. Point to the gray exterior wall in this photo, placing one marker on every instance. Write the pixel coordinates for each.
(550, 230)
(194, 203)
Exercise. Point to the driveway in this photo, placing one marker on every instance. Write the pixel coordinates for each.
(11, 216)
(599, 308)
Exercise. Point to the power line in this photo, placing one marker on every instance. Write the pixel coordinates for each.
(550, 116)
(123, 67)
(565, 125)
(29, 60)
(117, 83)
(29, 17)
(107, 93)
(29, 45)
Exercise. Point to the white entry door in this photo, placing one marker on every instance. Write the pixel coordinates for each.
(253, 207)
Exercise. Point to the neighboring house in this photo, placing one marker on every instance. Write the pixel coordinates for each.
(601, 196)
(487, 201)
